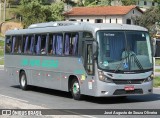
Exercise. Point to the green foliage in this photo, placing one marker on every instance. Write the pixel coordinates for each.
(157, 62)
(56, 11)
(1, 43)
(33, 11)
(149, 18)
(156, 82)
(1, 61)
(1, 52)
(128, 2)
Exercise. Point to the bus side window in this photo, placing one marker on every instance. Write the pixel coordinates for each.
(16, 43)
(43, 44)
(8, 44)
(51, 44)
(37, 44)
(59, 44)
(71, 44)
(28, 44)
(87, 35)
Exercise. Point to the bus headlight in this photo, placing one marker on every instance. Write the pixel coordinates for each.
(148, 79)
(103, 78)
(101, 75)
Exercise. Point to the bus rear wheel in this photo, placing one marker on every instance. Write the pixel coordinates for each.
(75, 89)
(23, 80)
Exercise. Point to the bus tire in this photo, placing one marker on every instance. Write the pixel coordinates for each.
(23, 80)
(75, 90)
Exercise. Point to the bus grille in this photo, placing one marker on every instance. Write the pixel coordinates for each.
(139, 81)
(122, 92)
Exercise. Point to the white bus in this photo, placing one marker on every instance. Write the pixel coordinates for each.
(85, 59)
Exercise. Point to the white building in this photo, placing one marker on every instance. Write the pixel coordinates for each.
(104, 14)
(145, 4)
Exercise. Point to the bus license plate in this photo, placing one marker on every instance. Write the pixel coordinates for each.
(129, 88)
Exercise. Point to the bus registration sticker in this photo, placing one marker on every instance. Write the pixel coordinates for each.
(129, 88)
(90, 85)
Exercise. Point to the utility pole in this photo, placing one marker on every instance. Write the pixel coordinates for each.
(0, 11)
(4, 16)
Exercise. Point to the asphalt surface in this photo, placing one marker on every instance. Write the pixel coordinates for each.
(37, 97)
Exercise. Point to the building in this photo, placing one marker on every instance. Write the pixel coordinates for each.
(145, 4)
(104, 14)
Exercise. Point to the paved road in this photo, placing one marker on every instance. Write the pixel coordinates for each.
(52, 99)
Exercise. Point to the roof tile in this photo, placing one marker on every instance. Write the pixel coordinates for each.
(100, 10)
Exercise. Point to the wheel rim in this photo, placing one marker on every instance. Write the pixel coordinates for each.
(23, 81)
(75, 88)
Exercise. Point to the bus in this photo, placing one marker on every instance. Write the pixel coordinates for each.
(94, 59)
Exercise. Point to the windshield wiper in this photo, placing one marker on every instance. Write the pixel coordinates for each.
(135, 60)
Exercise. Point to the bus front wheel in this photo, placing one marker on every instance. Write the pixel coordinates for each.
(75, 89)
(23, 81)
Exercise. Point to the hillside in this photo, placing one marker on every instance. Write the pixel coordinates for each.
(10, 25)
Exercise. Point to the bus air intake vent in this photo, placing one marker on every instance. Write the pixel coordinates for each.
(138, 81)
(123, 92)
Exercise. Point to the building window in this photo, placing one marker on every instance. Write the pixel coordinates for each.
(128, 21)
(110, 20)
(87, 20)
(72, 20)
(81, 20)
(145, 3)
(98, 20)
(153, 4)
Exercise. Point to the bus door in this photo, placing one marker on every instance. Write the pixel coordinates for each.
(88, 57)
(88, 65)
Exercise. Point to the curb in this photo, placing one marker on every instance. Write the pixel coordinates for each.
(1, 66)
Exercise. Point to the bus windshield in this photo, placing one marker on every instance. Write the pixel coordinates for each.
(124, 51)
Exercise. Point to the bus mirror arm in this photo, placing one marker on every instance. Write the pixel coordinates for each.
(95, 48)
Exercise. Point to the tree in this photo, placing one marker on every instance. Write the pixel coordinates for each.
(56, 11)
(33, 11)
(149, 18)
(128, 2)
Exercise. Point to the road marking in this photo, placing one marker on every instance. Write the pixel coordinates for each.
(80, 114)
(13, 98)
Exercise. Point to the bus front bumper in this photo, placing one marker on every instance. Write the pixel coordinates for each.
(111, 89)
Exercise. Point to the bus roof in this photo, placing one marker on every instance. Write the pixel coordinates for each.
(72, 26)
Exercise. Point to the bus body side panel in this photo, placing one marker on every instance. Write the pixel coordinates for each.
(47, 71)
